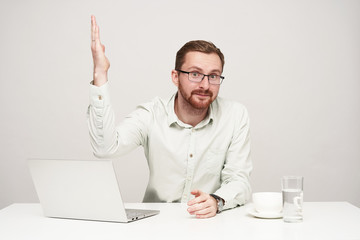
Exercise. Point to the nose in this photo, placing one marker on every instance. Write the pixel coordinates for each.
(205, 82)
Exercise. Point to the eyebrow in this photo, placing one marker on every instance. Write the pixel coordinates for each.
(194, 68)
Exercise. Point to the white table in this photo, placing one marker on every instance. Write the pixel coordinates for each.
(322, 220)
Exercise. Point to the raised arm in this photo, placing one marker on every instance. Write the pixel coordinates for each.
(101, 63)
(106, 139)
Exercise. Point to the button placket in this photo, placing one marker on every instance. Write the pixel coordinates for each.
(190, 167)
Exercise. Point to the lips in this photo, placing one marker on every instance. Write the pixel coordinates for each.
(202, 93)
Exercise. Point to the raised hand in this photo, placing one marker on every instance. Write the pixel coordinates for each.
(101, 63)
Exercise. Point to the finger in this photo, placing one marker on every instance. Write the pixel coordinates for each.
(93, 27)
(196, 200)
(97, 34)
(209, 215)
(197, 207)
(93, 33)
(196, 192)
(199, 199)
(210, 211)
(206, 203)
(205, 211)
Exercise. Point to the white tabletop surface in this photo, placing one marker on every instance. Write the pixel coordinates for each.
(322, 220)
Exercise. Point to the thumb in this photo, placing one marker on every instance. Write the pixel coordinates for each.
(196, 192)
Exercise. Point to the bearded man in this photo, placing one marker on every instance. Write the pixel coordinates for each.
(197, 144)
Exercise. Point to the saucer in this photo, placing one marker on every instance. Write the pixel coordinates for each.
(251, 210)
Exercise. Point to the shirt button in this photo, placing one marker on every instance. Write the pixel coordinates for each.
(191, 155)
(100, 97)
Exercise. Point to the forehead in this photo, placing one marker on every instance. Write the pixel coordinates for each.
(206, 62)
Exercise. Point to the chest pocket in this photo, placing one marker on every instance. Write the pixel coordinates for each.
(215, 159)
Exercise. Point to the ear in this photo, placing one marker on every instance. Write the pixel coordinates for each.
(175, 77)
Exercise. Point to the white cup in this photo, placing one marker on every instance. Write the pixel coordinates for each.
(267, 202)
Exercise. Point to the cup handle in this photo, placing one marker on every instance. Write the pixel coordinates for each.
(298, 203)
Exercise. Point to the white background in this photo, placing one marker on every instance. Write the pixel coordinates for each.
(294, 64)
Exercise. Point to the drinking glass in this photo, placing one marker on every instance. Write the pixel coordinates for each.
(292, 190)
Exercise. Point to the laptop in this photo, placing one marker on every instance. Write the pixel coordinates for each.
(81, 189)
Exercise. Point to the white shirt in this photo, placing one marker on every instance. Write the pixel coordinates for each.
(213, 156)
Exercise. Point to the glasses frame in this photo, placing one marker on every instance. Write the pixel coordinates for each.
(203, 76)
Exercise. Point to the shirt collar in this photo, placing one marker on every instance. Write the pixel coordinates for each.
(173, 119)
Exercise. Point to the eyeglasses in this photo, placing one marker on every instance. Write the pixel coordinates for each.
(198, 77)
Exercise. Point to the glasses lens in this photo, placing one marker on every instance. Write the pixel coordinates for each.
(214, 79)
(195, 76)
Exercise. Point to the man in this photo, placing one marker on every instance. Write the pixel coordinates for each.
(195, 143)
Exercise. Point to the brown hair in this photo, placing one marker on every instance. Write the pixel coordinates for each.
(197, 46)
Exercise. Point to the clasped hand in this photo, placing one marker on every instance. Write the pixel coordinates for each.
(203, 205)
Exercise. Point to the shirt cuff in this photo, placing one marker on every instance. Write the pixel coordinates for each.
(99, 96)
(231, 200)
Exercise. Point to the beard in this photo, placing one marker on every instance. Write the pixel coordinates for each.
(194, 101)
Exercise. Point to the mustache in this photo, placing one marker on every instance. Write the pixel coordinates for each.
(202, 92)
